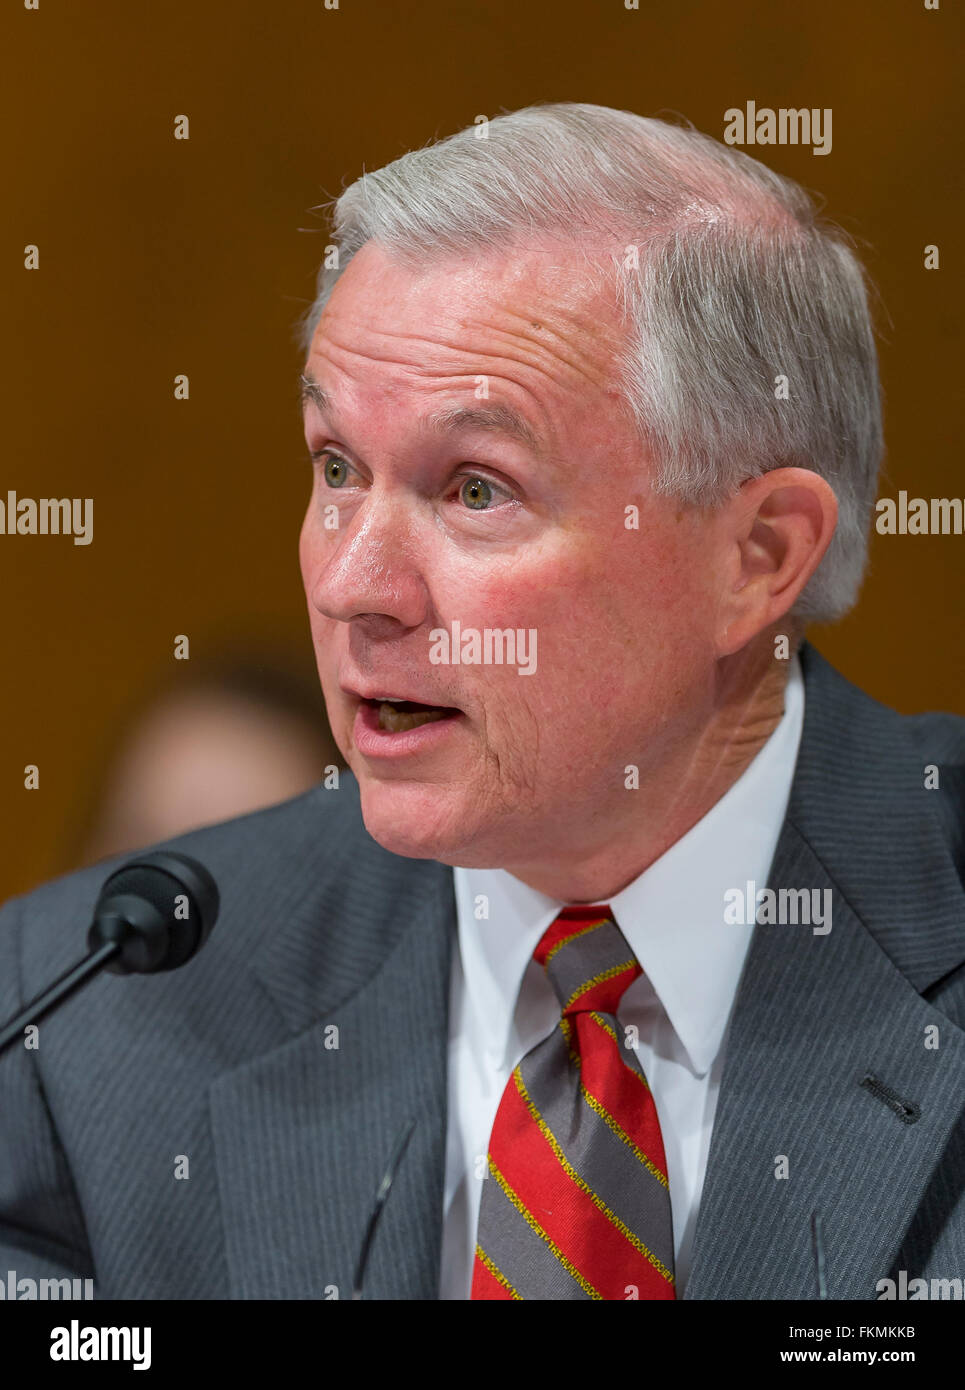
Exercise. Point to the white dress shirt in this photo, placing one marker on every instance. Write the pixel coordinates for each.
(502, 1005)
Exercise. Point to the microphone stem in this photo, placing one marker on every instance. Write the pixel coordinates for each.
(66, 984)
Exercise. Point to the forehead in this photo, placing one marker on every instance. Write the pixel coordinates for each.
(544, 306)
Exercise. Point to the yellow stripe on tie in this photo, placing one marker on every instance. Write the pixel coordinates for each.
(497, 1274)
(531, 1221)
(593, 926)
(598, 980)
(613, 1124)
(571, 1173)
(566, 1028)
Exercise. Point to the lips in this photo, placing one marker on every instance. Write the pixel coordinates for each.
(401, 746)
(398, 712)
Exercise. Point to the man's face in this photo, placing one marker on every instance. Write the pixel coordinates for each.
(413, 527)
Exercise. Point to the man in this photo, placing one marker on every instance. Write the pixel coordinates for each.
(635, 920)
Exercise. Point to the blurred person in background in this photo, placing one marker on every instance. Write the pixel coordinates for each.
(235, 736)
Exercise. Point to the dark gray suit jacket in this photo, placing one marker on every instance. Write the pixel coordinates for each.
(225, 1060)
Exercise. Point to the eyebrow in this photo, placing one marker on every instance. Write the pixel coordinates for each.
(495, 418)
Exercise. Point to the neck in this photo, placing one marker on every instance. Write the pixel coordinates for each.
(747, 707)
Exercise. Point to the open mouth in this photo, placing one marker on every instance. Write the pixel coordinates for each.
(396, 716)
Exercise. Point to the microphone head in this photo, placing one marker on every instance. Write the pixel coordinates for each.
(159, 908)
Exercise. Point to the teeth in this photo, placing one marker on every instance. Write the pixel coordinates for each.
(396, 721)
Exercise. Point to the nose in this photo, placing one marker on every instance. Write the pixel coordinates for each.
(369, 569)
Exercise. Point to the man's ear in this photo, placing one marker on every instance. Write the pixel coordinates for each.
(776, 530)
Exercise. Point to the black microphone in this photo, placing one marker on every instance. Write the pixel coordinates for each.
(154, 913)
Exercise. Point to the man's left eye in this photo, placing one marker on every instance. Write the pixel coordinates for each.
(334, 468)
(477, 493)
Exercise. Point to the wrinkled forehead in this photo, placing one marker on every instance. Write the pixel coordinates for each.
(545, 315)
(537, 286)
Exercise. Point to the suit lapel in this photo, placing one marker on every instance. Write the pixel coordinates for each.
(359, 973)
(816, 1015)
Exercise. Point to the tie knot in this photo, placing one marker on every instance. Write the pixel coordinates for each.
(587, 959)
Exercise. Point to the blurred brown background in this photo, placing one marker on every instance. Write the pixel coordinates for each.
(161, 256)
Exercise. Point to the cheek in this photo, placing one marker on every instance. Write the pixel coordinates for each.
(557, 604)
(545, 600)
(510, 598)
(617, 625)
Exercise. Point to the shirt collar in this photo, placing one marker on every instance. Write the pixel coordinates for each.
(672, 914)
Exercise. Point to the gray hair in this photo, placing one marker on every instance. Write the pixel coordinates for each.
(726, 276)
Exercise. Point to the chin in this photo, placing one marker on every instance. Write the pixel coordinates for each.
(416, 820)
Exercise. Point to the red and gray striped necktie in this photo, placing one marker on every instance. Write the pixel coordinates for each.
(576, 1202)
